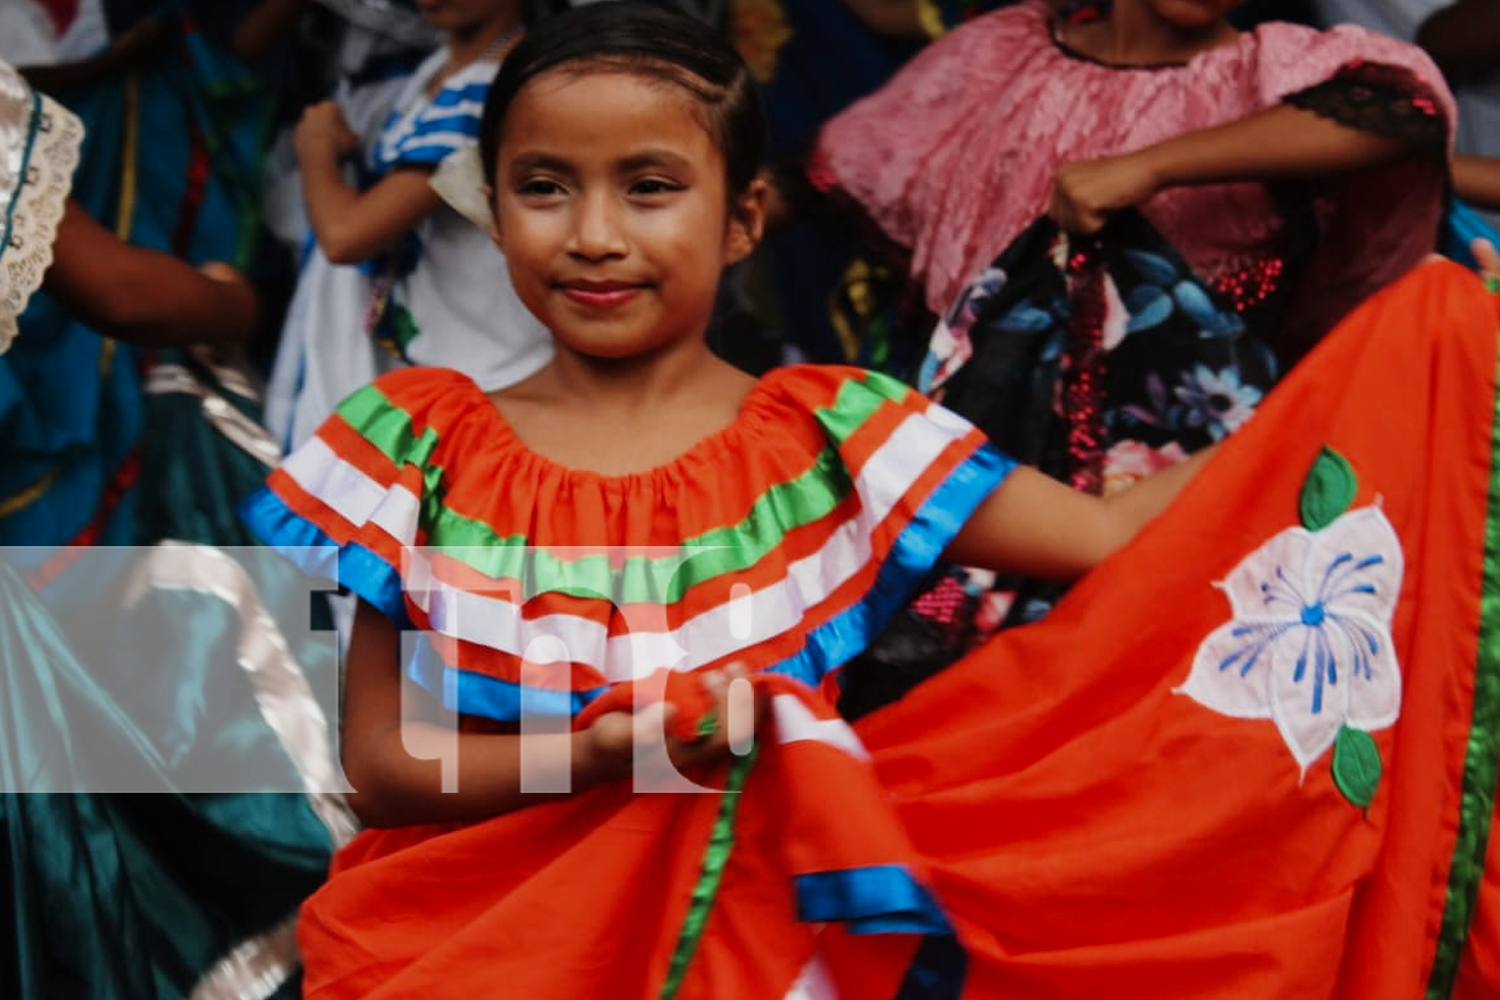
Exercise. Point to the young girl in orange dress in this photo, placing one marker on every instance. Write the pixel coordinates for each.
(1165, 789)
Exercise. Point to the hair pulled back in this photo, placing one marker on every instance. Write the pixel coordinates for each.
(620, 35)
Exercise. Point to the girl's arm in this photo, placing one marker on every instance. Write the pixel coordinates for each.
(393, 759)
(142, 296)
(1280, 143)
(1035, 526)
(351, 227)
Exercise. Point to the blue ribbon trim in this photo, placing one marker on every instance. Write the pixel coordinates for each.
(470, 693)
(911, 558)
(311, 550)
(886, 899)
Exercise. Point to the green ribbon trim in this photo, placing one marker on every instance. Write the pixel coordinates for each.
(1481, 759)
(715, 859)
(783, 508)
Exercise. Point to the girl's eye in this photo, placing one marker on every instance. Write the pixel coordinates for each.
(539, 187)
(653, 186)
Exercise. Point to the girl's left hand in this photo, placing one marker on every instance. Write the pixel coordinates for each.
(323, 131)
(1085, 192)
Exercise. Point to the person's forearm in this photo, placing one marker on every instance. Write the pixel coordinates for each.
(1132, 509)
(1476, 179)
(1463, 39)
(142, 296)
(398, 774)
(1280, 143)
(332, 205)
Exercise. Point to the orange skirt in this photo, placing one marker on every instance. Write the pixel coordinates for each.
(1253, 755)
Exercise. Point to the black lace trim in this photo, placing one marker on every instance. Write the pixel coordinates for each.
(1388, 101)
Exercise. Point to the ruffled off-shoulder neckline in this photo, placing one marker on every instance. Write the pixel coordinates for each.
(755, 416)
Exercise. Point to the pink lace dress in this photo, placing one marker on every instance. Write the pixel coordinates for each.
(953, 161)
(956, 156)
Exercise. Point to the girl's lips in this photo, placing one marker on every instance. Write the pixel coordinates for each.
(608, 295)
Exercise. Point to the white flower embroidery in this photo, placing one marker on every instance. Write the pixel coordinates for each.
(1309, 646)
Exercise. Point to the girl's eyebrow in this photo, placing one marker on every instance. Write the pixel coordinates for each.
(654, 158)
(540, 161)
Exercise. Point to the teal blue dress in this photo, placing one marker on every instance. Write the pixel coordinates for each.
(168, 788)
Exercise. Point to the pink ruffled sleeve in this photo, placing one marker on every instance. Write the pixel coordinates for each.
(874, 154)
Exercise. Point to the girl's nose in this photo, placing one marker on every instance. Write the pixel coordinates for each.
(597, 231)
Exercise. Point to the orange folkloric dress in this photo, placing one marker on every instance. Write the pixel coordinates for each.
(1251, 756)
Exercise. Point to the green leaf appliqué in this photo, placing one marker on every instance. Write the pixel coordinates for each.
(1356, 766)
(1327, 491)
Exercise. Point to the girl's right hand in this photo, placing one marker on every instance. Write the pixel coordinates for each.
(1085, 192)
(613, 739)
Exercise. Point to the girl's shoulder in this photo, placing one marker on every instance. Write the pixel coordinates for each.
(432, 392)
(1339, 44)
(1290, 57)
(405, 414)
(822, 386)
(853, 410)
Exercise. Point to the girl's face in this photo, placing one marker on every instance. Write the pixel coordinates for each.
(610, 206)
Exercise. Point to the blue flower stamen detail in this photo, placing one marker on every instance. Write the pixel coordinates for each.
(1317, 704)
(1333, 568)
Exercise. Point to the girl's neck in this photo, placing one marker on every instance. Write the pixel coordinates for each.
(626, 417)
(640, 384)
(485, 40)
(1133, 34)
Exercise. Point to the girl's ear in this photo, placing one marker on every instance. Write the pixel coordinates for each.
(747, 221)
(489, 200)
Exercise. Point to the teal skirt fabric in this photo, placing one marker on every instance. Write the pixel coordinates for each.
(166, 801)
(167, 795)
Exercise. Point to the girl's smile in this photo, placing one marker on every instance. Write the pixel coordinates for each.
(601, 295)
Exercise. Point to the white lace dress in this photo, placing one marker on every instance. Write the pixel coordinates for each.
(39, 143)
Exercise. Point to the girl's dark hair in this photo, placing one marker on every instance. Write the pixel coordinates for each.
(654, 41)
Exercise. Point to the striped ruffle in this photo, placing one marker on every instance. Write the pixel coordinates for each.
(826, 545)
